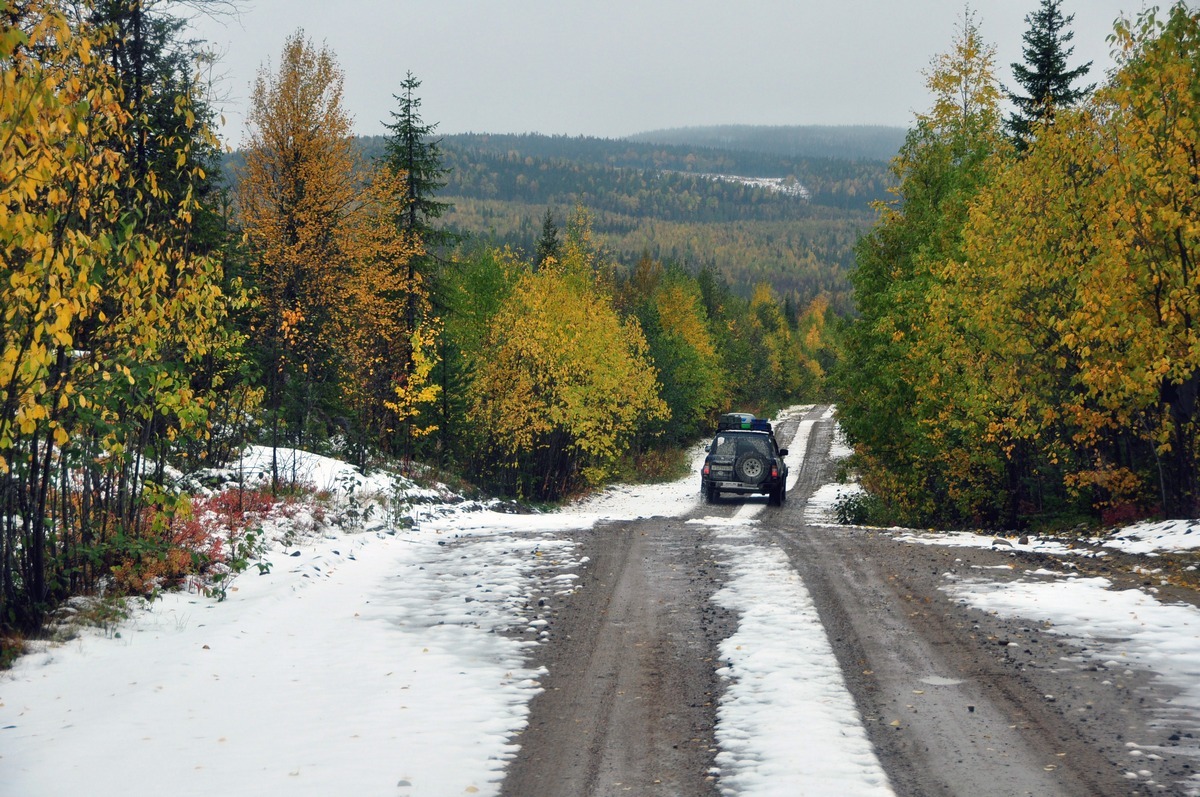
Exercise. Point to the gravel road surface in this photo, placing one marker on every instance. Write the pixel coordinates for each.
(956, 701)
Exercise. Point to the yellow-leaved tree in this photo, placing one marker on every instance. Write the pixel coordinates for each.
(330, 264)
(384, 318)
(1065, 323)
(669, 306)
(684, 347)
(1135, 324)
(1077, 295)
(297, 187)
(104, 310)
(566, 383)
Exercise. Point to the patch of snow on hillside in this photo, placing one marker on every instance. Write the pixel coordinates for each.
(788, 186)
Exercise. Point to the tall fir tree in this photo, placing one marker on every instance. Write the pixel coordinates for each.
(411, 149)
(549, 247)
(413, 152)
(1044, 74)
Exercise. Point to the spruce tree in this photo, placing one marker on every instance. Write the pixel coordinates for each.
(154, 62)
(1044, 75)
(548, 245)
(411, 149)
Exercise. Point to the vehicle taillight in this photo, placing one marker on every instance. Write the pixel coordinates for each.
(707, 469)
(774, 471)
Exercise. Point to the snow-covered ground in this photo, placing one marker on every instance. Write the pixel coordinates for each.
(393, 656)
(1118, 631)
(359, 663)
(1151, 537)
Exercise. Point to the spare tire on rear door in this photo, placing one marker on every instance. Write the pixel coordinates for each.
(751, 467)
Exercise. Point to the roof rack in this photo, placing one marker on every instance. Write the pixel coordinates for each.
(734, 420)
(743, 420)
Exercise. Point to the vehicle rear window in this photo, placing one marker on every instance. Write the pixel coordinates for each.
(736, 445)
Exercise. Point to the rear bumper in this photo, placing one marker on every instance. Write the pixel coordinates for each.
(744, 488)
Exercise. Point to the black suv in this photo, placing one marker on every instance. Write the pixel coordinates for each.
(743, 458)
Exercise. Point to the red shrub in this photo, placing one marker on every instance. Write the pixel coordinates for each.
(1122, 514)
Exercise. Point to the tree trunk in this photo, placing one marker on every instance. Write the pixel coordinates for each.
(1180, 400)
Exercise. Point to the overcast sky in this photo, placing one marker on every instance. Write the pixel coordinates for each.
(615, 67)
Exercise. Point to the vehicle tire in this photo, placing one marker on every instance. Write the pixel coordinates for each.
(782, 493)
(711, 493)
(775, 497)
(751, 468)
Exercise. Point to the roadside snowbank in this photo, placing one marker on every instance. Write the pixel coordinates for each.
(1117, 631)
(821, 509)
(970, 539)
(1152, 537)
(388, 661)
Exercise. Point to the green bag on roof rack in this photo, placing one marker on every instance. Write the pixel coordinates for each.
(734, 420)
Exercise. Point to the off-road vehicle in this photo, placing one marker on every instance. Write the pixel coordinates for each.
(743, 458)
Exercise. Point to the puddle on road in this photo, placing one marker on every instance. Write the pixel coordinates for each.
(937, 680)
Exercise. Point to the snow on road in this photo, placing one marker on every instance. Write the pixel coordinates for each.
(786, 724)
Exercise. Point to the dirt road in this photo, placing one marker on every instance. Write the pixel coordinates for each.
(954, 700)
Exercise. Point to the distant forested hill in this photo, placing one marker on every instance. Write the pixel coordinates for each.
(662, 200)
(668, 201)
(538, 168)
(841, 143)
